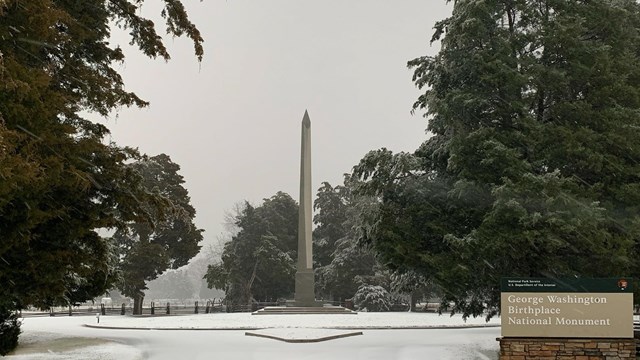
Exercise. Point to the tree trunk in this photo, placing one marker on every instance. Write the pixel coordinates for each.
(248, 294)
(137, 304)
(413, 301)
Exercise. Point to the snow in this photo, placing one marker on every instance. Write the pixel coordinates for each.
(108, 351)
(414, 336)
(363, 320)
(42, 345)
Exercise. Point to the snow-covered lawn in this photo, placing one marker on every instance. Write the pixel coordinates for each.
(243, 321)
(66, 337)
(42, 345)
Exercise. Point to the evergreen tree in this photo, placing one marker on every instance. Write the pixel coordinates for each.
(342, 265)
(330, 221)
(9, 327)
(258, 263)
(59, 180)
(533, 167)
(147, 250)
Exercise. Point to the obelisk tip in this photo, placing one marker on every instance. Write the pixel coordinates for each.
(305, 120)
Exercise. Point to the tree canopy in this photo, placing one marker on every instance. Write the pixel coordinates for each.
(60, 180)
(341, 264)
(145, 250)
(533, 167)
(258, 263)
(345, 266)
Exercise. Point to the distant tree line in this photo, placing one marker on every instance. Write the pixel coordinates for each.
(259, 261)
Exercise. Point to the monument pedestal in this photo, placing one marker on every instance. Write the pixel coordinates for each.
(292, 309)
(305, 292)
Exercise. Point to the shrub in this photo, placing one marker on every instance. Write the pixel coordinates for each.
(372, 298)
(9, 330)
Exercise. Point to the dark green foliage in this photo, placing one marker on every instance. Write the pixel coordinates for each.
(9, 329)
(330, 220)
(533, 168)
(258, 263)
(60, 181)
(341, 264)
(146, 250)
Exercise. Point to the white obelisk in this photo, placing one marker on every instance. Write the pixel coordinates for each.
(305, 295)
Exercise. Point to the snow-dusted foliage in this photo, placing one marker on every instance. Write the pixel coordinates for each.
(372, 298)
(9, 330)
(258, 261)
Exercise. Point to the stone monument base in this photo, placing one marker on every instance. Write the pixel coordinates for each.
(566, 348)
(304, 310)
(305, 293)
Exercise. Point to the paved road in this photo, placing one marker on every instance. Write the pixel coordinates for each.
(479, 343)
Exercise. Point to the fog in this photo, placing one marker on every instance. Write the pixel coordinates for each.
(232, 122)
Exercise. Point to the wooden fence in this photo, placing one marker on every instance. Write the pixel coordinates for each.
(176, 307)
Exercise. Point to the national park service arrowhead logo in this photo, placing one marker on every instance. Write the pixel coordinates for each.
(623, 284)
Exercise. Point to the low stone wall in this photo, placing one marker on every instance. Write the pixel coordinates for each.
(566, 349)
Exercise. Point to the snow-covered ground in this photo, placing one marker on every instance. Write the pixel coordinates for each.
(66, 338)
(243, 321)
(62, 338)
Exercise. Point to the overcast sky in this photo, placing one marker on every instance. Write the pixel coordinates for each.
(232, 122)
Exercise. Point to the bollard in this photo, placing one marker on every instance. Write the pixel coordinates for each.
(153, 308)
(123, 309)
(98, 317)
(168, 308)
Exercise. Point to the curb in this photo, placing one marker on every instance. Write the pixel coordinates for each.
(248, 328)
(319, 339)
